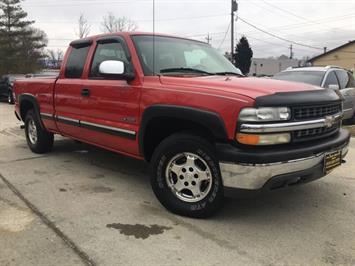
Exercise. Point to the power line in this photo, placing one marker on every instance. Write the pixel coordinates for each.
(279, 37)
(225, 36)
(142, 20)
(295, 15)
(285, 11)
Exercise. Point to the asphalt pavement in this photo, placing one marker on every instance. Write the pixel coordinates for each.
(83, 205)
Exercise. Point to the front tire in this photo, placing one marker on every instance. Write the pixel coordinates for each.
(185, 176)
(39, 140)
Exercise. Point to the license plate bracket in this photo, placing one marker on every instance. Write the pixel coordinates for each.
(332, 160)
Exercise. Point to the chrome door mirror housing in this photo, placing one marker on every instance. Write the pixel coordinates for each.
(112, 67)
(115, 69)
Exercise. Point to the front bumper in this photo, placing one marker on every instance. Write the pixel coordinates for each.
(255, 169)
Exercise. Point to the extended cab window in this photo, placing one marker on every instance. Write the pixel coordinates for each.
(76, 62)
(105, 52)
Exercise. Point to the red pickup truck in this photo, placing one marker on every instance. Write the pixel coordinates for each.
(206, 130)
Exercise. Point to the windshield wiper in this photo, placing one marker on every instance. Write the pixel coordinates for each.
(185, 70)
(228, 73)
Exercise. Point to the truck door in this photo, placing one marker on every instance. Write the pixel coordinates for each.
(111, 105)
(68, 99)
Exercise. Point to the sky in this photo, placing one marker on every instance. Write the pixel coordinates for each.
(271, 26)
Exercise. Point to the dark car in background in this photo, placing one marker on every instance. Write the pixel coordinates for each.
(43, 74)
(7, 81)
(330, 77)
(6, 85)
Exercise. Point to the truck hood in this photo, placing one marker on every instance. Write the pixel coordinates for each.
(249, 87)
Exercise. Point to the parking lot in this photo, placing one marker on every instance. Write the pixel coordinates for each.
(83, 205)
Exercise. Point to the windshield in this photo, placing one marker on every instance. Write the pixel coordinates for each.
(309, 77)
(180, 56)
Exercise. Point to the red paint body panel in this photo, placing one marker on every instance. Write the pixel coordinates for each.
(120, 104)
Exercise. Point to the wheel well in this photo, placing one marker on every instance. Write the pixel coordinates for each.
(160, 128)
(25, 107)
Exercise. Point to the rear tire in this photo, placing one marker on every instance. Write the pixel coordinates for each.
(352, 120)
(185, 176)
(39, 140)
(10, 98)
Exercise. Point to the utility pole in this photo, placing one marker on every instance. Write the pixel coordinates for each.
(291, 51)
(234, 9)
(208, 38)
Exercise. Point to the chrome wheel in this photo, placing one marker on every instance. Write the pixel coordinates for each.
(189, 177)
(32, 132)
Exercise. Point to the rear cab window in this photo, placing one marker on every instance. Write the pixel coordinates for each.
(76, 62)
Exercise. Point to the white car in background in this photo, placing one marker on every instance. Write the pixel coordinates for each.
(330, 77)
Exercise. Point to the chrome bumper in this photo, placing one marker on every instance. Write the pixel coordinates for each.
(254, 177)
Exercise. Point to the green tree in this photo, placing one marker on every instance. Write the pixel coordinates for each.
(21, 45)
(243, 55)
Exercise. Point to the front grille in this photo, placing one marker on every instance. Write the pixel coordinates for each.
(315, 133)
(311, 112)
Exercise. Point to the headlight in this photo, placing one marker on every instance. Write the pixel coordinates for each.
(265, 114)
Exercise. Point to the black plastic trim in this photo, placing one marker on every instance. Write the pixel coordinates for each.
(47, 117)
(302, 98)
(32, 99)
(96, 128)
(81, 43)
(109, 131)
(281, 153)
(68, 122)
(207, 119)
(109, 39)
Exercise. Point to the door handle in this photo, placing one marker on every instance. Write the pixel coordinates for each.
(85, 92)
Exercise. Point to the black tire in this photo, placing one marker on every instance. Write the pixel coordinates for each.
(43, 142)
(352, 120)
(169, 149)
(10, 98)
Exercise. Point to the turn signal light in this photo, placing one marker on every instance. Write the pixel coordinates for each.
(264, 139)
(248, 139)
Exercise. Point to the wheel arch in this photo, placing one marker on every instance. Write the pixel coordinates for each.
(28, 102)
(205, 123)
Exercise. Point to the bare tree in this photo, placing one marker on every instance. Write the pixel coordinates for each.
(60, 55)
(55, 55)
(112, 24)
(84, 27)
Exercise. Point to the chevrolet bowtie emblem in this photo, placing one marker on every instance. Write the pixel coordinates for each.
(329, 121)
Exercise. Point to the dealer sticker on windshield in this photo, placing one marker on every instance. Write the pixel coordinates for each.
(331, 161)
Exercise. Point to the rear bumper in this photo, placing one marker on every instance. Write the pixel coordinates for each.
(277, 167)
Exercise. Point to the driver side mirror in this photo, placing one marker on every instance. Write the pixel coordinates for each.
(333, 87)
(115, 69)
